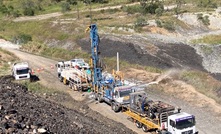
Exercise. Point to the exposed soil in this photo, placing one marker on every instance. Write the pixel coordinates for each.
(166, 55)
(24, 112)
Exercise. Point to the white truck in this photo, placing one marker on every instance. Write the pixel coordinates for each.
(159, 116)
(78, 78)
(21, 70)
(80, 63)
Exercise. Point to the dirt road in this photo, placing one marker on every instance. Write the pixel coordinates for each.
(57, 14)
(208, 121)
(48, 77)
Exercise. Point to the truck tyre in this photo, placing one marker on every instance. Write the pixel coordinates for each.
(75, 88)
(61, 79)
(70, 85)
(65, 81)
(99, 98)
(138, 124)
(115, 107)
(144, 128)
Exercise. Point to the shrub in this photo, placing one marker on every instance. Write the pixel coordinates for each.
(204, 19)
(132, 9)
(72, 2)
(159, 11)
(22, 38)
(159, 23)
(207, 3)
(169, 25)
(65, 6)
(139, 23)
(29, 12)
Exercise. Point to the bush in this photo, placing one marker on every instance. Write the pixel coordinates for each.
(139, 23)
(159, 11)
(72, 2)
(169, 25)
(65, 6)
(22, 38)
(204, 19)
(159, 23)
(132, 9)
(207, 3)
(151, 8)
(29, 12)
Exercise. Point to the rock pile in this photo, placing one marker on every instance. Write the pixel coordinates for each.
(22, 112)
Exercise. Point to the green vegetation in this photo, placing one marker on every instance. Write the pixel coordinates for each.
(37, 87)
(204, 19)
(167, 24)
(5, 58)
(53, 52)
(203, 83)
(140, 22)
(211, 39)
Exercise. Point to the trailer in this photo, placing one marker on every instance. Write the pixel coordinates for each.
(158, 116)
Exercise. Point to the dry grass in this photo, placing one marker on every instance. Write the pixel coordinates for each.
(211, 39)
(5, 58)
(203, 83)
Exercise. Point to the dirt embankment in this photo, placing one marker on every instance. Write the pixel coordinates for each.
(159, 55)
(24, 112)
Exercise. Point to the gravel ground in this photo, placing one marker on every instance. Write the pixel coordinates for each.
(23, 112)
(207, 121)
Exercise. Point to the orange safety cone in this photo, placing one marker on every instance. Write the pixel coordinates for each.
(38, 70)
(32, 71)
(52, 67)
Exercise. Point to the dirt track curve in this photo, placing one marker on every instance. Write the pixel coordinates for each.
(48, 77)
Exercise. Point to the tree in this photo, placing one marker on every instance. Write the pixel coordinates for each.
(150, 6)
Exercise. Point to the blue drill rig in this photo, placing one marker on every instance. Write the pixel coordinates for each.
(108, 89)
(96, 67)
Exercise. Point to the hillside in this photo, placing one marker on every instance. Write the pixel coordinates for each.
(178, 47)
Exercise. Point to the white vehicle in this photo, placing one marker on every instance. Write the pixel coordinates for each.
(62, 65)
(157, 115)
(80, 63)
(76, 78)
(181, 123)
(21, 71)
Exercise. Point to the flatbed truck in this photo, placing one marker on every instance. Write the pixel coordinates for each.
(158, 116)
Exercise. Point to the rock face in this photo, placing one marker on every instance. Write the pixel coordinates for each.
(23, 112)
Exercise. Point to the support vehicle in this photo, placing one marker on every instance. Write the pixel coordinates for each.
(158, 116)
(77, 78)
(21, 71)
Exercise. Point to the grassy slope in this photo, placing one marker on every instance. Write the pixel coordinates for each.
(5, 58)
(211, 39)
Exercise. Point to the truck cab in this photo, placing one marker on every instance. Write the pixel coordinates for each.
(181, 123)
(117, 97)
(80, 63)
(21, 71)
